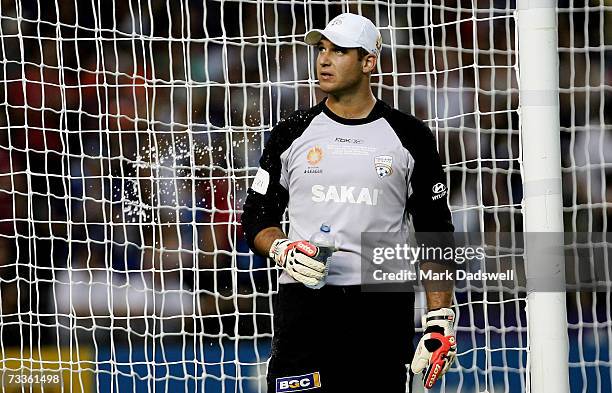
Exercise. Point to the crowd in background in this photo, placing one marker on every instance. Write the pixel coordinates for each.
(129, 135)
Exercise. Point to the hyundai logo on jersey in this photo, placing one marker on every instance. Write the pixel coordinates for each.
(298, 383)
(439, 190)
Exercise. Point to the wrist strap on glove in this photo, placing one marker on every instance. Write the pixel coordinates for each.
(280, 248)
(277, 250)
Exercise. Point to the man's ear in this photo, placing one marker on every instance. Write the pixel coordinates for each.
(369, 63)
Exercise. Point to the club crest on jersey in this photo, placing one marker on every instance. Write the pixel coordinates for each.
(298, 383)
(383, 167)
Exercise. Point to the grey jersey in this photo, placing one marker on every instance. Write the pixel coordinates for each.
(358, 175)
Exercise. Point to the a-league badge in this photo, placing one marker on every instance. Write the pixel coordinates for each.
(383, 165)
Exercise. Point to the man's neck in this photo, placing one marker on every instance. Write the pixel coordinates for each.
(354, 106)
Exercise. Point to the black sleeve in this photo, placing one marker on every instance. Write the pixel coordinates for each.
(427, 204)
(264, 211)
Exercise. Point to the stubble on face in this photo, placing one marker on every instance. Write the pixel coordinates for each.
(338, 69)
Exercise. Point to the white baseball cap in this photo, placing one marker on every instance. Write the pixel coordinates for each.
(349, 31)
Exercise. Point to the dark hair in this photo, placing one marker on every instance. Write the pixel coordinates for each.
(361, 53)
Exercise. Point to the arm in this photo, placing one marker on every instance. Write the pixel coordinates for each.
(430, 214)
(431, 218)
(264, 239)
(268, 196)
(436, 299)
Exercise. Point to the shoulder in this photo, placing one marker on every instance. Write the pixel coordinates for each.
(404, 122)
(292, 126)
(411, 131)
(298, 120)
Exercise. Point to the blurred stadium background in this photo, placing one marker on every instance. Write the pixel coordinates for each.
(130, 131)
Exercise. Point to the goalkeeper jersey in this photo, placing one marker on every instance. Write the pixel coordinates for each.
(359, 175)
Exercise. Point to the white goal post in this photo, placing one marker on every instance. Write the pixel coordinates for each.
(131, 130)
(547, 362)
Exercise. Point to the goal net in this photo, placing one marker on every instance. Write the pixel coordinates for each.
(131, 130)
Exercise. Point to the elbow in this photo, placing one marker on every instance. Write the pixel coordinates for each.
(248, 227)
(252, 225)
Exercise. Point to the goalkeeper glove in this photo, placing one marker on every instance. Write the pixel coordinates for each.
(297, 258)
(437, 348)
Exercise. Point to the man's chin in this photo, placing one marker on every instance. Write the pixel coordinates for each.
(326, 87)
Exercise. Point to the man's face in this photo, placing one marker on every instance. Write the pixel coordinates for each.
(338, 69)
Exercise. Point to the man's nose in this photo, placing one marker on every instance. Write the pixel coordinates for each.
(323, 59)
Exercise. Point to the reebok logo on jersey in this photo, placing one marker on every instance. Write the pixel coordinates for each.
(298, 383)
(348, 140)
(345, 194)
(439, 190)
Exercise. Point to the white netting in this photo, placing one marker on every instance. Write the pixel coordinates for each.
(585, 50)
(130, 131)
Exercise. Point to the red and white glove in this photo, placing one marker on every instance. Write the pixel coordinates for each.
(437, 348)
(297, 258)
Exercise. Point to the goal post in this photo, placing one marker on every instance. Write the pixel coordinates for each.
(548, 354)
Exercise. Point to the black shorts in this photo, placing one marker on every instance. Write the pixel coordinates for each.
(341, 339)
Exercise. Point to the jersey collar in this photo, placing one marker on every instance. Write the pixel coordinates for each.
(375, 113)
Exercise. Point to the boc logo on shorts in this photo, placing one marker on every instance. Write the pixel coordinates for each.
(298, 383)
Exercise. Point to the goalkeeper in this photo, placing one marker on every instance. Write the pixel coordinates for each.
(357, 163)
